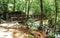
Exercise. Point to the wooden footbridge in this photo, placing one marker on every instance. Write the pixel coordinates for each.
(17, 16)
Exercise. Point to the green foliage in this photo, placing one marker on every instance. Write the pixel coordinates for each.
(35, 7)
(3, 6)
(50, 21)
(52, 35)
(49, 7)
(58, 26)
(22, 5)
(33, 24)
(30, 36)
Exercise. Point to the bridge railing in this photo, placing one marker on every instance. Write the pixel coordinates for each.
(19, 17)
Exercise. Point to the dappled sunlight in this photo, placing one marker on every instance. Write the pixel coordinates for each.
(6, 35)
(12, 24)
(18, 32)
(29, 18)
(11, 33)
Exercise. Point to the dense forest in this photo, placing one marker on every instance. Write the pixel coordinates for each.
(37, 14)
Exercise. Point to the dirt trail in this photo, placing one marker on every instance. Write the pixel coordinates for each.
(20, 32)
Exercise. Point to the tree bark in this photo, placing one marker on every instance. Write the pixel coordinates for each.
(41, 7)
(56, 9)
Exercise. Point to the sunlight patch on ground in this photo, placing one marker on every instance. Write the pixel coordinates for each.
(11, 33)
(9, 24)
(6, 35)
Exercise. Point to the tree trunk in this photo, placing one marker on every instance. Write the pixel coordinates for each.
(5, 9)
(28, 8)
(41, 7)
(56, 9)
(14, 6)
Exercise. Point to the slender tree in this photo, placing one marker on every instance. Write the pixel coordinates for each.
(5, 8)
(56, 10)
(28, 8)
(25, 5)
(7, 11)
(14, 6)
(41, 7)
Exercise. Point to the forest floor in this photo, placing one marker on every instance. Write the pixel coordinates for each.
(7, 31)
